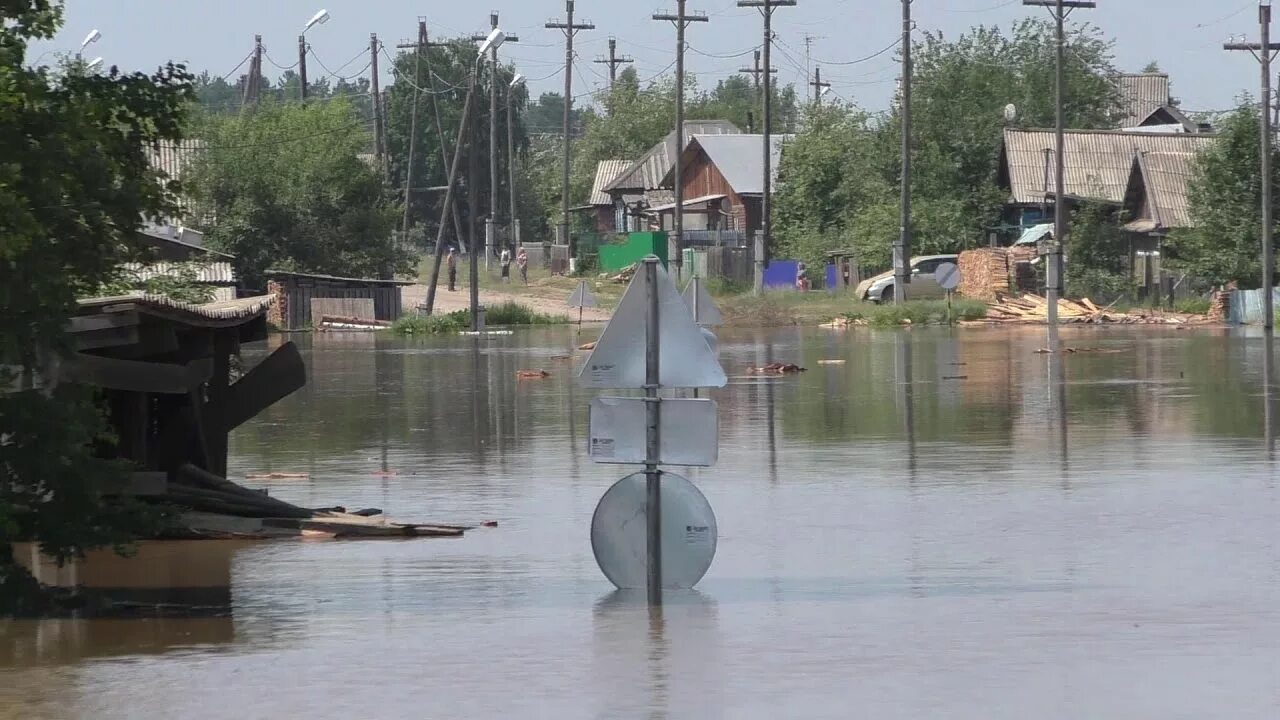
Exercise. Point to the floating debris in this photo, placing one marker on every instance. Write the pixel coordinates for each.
(532, 374)
(831, 362)
(776, 369)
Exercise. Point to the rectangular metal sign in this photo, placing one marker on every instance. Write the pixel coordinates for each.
(690, 433)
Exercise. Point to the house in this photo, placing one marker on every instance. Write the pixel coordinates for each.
(300, 297)
(175, 249)
(1145, 102)
(640, 187)
(1155, 199)
(1098, 167)
(606, 217)
(723, 181)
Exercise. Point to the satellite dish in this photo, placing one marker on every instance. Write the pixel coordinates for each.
(1010, 112)
(688, 533)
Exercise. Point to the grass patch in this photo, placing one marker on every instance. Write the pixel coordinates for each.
(432, 324)
(1193, 306)
(513, 313)
(919, 312)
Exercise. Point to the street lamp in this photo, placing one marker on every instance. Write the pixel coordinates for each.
(319, 18)
(516, 82)
(93, 63)
(93, 37)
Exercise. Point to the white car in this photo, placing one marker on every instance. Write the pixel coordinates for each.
(881, 288)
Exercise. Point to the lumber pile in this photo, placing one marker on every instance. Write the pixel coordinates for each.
(210, 506)
(1220, 305)
(1035, 309)
(622, 276)
(988, 272)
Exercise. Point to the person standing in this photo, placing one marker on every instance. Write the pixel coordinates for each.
(505, 261)
(522, 264)
(452, 264)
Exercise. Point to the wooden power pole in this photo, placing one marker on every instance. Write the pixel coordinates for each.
(570, 29)
(613, 61)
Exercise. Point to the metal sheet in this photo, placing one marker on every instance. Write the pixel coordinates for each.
(690, 431)
(581, 296)
(689, 533)
(708, 313)
(685, 359)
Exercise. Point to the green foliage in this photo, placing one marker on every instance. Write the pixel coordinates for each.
(1225, 198)
(725, 287)
(181, 284)
(75, 185)
(513, 313)
(1194, 306)
(288, 190)
(432, 324)
(841, 174)
(1098, 255)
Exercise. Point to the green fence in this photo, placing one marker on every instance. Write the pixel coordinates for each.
(638, 245)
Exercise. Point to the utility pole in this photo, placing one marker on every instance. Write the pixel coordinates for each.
(491, 222)
(379, 135)
(1263, 51)
(902, 249)
(681, 20)
(766, 216)
(302, 66)
(817, 85)
(613, 61)
(255, 71)
(755, 72)
(423, 47)
(1054, 271)
(514, 227)
(570, 29)
(449, 203)
(413, 135)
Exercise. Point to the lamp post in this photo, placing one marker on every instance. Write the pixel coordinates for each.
(319, 18)
(516, 82)
(93, 37)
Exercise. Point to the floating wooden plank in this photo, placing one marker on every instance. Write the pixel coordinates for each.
(270, 381)
(137, 376)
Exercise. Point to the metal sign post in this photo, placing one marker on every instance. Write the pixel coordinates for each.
(581, 297)
(653, 477)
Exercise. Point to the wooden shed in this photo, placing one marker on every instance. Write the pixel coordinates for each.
(299, 295)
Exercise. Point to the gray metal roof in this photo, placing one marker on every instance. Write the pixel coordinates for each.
(647, 172)
(1164, 178)
(1098, 162)
(222, 313)
(606, 172)
(1140, 95)
(212, 273)
(739, 160)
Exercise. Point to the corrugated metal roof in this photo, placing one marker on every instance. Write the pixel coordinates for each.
(1098, 162)
(606, 172)
(647, 172)
(739, 160)
(1140, 95)
(227, 312)
(174, 159)
(334, 278)
(213, 273)
(1165, 177)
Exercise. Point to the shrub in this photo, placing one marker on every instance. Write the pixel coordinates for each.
(924, 312)
(432, 324)
(513, 313)
(1193, 306)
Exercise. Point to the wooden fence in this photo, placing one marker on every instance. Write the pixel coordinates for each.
(348, 307)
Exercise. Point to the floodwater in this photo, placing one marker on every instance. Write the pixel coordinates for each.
(946, 524)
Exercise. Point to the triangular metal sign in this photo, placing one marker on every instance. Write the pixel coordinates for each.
(685, 360)
(696, 296)
(582, 297)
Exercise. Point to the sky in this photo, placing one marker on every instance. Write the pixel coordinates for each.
(1184, 36)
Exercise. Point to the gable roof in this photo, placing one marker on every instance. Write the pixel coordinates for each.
(738, 158)
(1157, 191)
(1098, 162)
(606, 172)
(647, 172)
(1140, 95)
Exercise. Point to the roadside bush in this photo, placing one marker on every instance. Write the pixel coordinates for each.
(513, 313)
(922, 312)
(432, 324)
(1100, 286)
(1193, 306)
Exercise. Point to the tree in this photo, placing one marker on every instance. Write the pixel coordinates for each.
(75, 186)
(961, 88)
(1224, 194)
(451, 66)
(1152, 67)
(289, 187)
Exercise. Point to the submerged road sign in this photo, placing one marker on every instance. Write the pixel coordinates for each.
(685, 359)
(690, 431)
(700, 303)
(581, 296)
(947, 276)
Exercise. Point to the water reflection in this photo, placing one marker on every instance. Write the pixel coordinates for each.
(678, 645)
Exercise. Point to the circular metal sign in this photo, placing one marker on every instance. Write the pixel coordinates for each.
(618, 533)
(947, 276)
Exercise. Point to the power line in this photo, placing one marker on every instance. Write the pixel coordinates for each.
(278, 65)
(334, 73)
(283, 141)
(237, 67)
(748, 51)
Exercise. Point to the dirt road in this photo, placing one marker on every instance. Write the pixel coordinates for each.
(537, 299)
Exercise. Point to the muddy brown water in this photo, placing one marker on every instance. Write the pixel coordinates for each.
(935, 527)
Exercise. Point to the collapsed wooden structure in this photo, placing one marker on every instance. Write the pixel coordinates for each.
(165, 370)
(1035, 309)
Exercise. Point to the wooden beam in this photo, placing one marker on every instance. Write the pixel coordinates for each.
(137, 376)
(270, 381)
(105, 321)
(106, 338)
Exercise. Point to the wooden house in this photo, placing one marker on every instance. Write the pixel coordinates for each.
(723, 180)
(302, 298)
